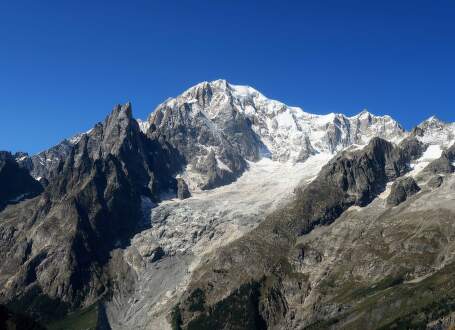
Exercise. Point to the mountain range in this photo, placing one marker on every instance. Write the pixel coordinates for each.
(228, 210)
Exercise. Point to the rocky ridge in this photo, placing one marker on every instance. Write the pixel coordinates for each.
(16, 184)
(44, 163)
(54, 247)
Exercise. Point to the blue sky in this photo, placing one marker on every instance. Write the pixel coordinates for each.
(64, 64)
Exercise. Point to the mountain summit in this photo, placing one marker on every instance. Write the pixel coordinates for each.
(219, 126)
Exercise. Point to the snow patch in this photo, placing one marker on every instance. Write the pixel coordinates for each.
(222, 165)
(75, 139)
(237, 206)
(143, 125)
(386, 191)
(432, 152)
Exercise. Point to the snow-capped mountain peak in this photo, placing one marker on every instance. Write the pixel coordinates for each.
(238, 122)
(434, 131)
(289, 133)
(433, 122)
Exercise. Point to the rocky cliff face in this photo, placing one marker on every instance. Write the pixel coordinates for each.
(435, 131)
(44, 163)
(54, 247)
(444, 164)
(16, 184)
(401, 190)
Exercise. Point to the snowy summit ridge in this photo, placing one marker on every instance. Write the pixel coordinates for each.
(288, 133)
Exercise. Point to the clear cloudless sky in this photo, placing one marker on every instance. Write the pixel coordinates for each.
(64, 64)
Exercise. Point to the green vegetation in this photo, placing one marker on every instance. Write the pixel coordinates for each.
(240, 310)
(394, 304)
(38, 305)
(196, 300)
(353, 291)
(176, 318)
(419, 318)
(15, 321)
(86, 319)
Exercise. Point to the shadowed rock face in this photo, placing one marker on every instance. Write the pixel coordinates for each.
(401, 190)
(194, 137)
(412, 147)
(442, 165)
(16, 183)
(350, 179)
(13, 321)
(182, 189)
(54, 247)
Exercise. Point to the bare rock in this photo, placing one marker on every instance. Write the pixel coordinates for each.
(16, 183)
(444, 164)
(435, 182)
(182, 189)
(401, 190)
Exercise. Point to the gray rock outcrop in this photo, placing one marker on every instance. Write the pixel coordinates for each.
(44, 163)
(444, 164)
(435, 182)
(401, 190)
(182, 189)
(16, 184)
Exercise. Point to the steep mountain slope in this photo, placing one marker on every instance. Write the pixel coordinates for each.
(434, 131)
(54, 247)
(280, 207)
(217, 127)
(297, 269)
(187, 230)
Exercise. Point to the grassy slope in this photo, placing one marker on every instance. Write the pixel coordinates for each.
(86, 319)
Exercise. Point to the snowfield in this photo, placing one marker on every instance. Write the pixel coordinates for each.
(433, 152)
